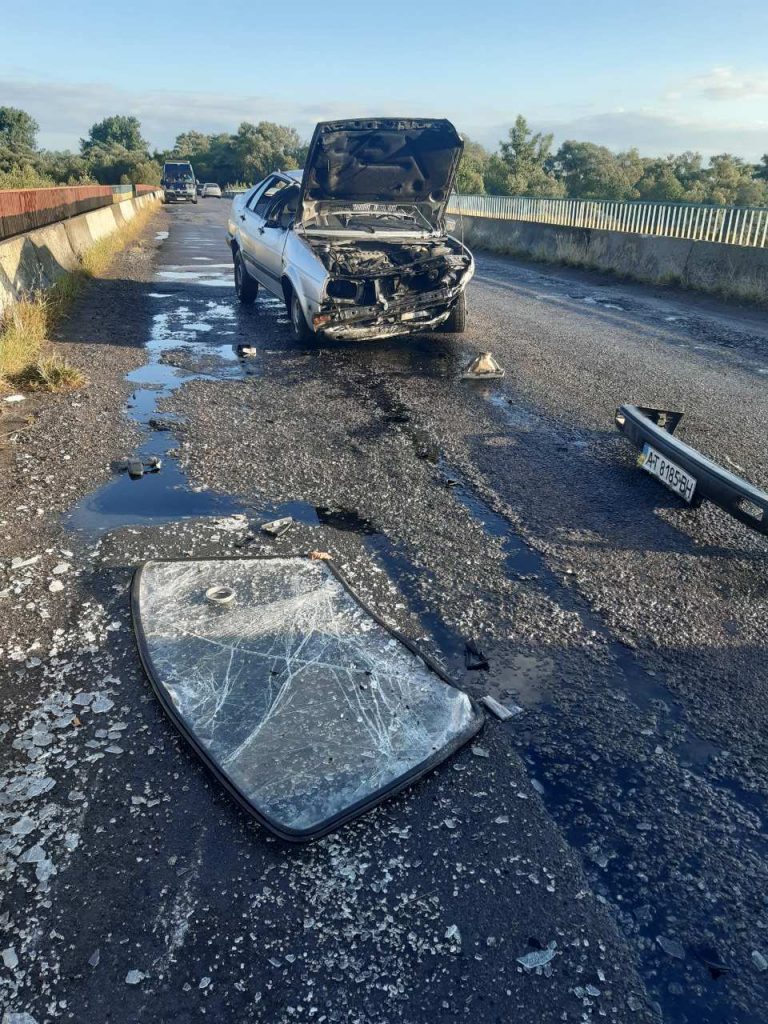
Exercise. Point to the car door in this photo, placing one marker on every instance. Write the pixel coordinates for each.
(259, 241)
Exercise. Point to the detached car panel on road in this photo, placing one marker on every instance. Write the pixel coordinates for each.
(693, 475)
(356, 245)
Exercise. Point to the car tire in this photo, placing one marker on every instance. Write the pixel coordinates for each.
(301, 329)
(245, 287)
(457, 321)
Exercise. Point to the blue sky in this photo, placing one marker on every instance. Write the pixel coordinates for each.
(660, 76)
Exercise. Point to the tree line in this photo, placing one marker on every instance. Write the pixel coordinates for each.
(115, 152)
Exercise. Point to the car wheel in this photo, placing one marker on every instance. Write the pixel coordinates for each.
(301, 328)
(246, 288)
(457, 321)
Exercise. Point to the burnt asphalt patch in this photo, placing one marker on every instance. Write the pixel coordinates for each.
(499, 516)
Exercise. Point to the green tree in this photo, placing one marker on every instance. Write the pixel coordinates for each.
(527, 158)
(18, 130)
(191, 144)
(119, 130)
(265, 147)
(729, 180)
(761, 171)
(474, 159)
(589, 171)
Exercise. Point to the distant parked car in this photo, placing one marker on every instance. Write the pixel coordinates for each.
(211, 189)
(356, 245)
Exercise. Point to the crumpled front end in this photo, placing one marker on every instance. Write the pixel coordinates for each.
(377, 289)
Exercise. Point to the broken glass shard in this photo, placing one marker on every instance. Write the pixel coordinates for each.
(304, 704)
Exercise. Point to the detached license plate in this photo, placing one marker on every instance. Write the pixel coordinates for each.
(670, 474)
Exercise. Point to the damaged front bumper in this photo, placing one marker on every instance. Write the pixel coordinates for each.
(654, 428)
(384, 320)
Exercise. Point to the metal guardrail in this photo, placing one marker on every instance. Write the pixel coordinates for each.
(733, 225)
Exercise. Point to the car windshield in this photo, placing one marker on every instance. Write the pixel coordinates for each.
(369, 218)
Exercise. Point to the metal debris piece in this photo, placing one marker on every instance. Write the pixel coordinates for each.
(671, 947)
(278, 526)
(538, 958)
(483, 367)
(502, 711)
(474, 659)
(712, 960)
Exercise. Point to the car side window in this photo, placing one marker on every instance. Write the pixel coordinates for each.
(264, 201)
(254, 196)
(282, 211)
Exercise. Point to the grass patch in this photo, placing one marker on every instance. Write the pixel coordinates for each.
(51, 374)
(24, 332)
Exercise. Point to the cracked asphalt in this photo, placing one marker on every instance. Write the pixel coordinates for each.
(620, 816)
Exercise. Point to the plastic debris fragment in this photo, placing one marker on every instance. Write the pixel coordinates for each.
(278, 526)
(502, 711)
(483, 367)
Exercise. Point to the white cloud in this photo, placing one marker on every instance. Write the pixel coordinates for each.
(726, 84)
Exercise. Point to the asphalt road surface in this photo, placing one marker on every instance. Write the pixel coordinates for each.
(621, 816)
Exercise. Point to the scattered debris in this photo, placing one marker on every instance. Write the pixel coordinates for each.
(537, 786)
(483, 367)
(94, 958)
(502, 711)
(480, 752)
(61, 568)
(712, 960)
(671, 947)
(14, 398)
(453, 934)
(22, 563)
(247, 351)
(134, 977)
(474, 659)
(278, 526)
(759, 960)
(204, 982)
(10, 960)
(538, 958)
(320, 556)
(135, 468)
(55, 586)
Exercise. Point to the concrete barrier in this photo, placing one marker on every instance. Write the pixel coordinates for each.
(35, 260)
(734, 271)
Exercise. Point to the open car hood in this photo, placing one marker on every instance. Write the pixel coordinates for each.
(384, 161)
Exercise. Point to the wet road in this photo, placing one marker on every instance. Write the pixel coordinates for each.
(621, 816)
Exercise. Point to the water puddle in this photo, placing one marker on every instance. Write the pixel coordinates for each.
(185, 344)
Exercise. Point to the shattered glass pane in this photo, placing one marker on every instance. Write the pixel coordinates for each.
(305, 705)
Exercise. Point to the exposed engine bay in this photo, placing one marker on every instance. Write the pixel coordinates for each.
(370, 273)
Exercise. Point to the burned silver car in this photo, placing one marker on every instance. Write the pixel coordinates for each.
(356, 244)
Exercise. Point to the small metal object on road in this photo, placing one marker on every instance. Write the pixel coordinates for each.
(474, 659)
(483, 367)
(277, 527)
(502, 711)
(220, 595)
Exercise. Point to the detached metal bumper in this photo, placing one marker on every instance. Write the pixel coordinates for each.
(738, 497)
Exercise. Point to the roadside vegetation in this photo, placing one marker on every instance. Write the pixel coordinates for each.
(115, 152)
(28, 360)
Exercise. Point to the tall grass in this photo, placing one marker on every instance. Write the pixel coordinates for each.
(26, 362)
